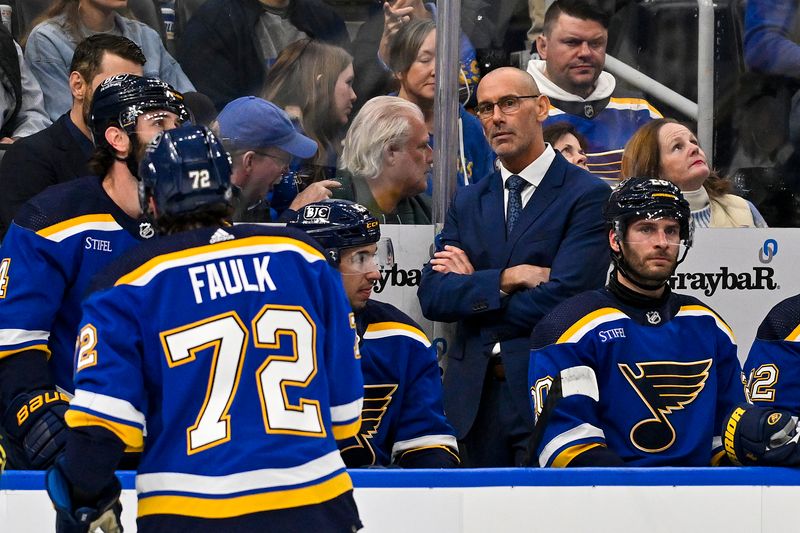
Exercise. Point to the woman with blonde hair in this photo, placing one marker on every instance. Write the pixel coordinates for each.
(665, 148)
(51, 43)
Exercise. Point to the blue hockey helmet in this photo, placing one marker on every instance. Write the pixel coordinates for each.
(186, 171)
(337, 224)
(120, 99)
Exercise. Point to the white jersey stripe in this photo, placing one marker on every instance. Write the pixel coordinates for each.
(109, 406)
(266, 478)
(577, 433)
(423, 442)
(684, 311)
(383, 333)
(10, 337)
(254, 249)
(80, 228)
(346, 412)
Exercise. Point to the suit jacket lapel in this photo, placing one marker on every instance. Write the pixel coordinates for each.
(493, 216)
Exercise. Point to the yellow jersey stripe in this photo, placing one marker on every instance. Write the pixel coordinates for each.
(242, 505)
(42, 347)
(794, 336)
(695, 310)
(163, 262)
(564, 458)
(346, 431)
(579, 328)
(74, 222)
(131, 436)
(386, 329)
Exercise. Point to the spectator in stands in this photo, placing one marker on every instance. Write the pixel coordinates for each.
(262, 140)
(228, 45)
(313, 82)
(371, 50)
(61, 152)
(772, 37)
(51, 44)
(564, 138)
(21, 105)
(412, 56)
(665, 148)
(572, 48)
(513, 246)
(385, 161)
(402, 420)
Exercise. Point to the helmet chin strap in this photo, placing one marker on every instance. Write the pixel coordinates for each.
(130, 159)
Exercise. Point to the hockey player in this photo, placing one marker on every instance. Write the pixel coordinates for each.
(767, 433)
(633, 374)
(234, 346)
(403, 422)
(57, 242)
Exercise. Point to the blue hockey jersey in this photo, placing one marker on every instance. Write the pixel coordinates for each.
(606, 130)
(402, 411)
(652, 385)
(228, 355)
(58, 241)
(773, 364)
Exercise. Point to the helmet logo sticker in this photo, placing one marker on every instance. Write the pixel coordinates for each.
(318, 214)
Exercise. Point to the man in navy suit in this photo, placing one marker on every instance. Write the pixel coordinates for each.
(513, 246)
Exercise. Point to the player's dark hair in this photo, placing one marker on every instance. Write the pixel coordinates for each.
(580, 9)
(557, 130)
(89, 53)
(102, 160)
(216, 217)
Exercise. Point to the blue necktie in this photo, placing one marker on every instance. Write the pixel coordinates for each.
(515, 184)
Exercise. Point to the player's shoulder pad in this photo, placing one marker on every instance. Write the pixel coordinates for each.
(574, 317)
(381, 320)
(782, 322)
(63, 202)
(690, 306)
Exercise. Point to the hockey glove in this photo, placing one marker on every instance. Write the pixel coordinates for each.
(761, 436)
(35, 422)
(104, 515)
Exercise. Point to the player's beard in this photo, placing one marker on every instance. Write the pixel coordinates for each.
(642, 270)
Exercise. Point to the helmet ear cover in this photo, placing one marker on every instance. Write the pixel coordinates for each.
(185, 172)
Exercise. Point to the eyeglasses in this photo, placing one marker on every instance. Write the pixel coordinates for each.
(282, 161)
(508, 105)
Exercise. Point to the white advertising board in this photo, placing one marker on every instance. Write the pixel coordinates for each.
(740, 273)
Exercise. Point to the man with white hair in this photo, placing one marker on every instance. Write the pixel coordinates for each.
(385, 161)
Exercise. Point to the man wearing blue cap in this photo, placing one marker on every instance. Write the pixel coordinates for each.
(262, 140)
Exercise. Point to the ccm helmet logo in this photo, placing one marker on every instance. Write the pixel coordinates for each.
(768, 251)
